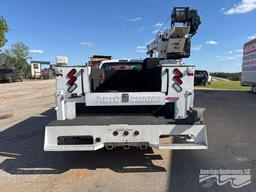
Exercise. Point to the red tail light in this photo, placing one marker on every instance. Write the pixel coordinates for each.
(72, 81)
(126, 133)
(177, 73)
(71, 73)
(177, 80)
(136, 133)
(115, 133)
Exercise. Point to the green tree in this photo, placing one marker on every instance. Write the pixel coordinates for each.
(16, 56)
(3, 29)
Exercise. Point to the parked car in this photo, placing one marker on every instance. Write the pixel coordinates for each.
(10, 75)
(202, 77)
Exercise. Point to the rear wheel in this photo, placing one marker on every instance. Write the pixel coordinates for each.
(254, 89)
(205, 82)
(10, 80)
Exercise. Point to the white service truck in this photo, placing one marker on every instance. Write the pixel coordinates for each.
(249, 65)
(131, 102)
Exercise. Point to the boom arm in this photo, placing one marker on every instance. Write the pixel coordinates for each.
(174, 42)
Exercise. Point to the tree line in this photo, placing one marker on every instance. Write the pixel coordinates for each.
(231, 76)
(17, 54)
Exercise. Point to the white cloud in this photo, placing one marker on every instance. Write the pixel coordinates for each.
(197, 48)
(158, 25)
(36, 51)
(211, 42)
(244, 7)
(239, 50)
(228, 58)
(88, 43)
(135, 19)
(252, 37)
(229, 52)
(238, 55)
(141, 49)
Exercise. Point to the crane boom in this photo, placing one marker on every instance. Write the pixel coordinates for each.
(174, 42)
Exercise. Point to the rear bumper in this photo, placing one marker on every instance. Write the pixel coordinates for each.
(148, 134)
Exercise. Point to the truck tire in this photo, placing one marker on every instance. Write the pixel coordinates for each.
(205, 83)
(10, 80)
(254, 89)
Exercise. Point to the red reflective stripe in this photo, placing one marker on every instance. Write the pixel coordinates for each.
(72, 81)
(190, 74)
(171, 99)
(71, 73)
(59, 74)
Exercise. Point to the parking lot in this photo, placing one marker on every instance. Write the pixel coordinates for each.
(24, 166)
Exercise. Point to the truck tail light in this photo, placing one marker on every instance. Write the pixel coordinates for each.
(190, 71)
(177, 87)
(72, 88)
(177, 73)
(72, 81)
(136, 133)
(177, 80)
(126, 133)
(71, 73)
(115, 133)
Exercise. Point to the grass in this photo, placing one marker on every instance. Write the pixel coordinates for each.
(232, 85)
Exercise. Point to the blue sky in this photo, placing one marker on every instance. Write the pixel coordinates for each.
(80, 28)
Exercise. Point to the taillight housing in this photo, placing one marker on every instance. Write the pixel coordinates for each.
(177, 73)
(177, 87)
(177, 79)
(72, 88)
(190, 71)
(136, 133)
(71, 73)
(115, 133)
(72, 81)
(126, 133)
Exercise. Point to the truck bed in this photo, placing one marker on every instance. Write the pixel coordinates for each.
(110, 120)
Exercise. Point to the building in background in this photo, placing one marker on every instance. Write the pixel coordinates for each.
(95, 60)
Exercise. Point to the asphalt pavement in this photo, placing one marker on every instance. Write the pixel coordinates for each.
(231, 125)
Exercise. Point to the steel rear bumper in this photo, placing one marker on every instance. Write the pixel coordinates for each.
(148, 134)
